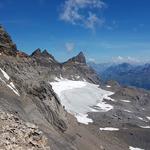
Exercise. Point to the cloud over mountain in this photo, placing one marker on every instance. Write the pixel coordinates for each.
(85, 13)
(69, 46)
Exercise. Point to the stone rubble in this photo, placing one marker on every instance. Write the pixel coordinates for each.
(16, 134)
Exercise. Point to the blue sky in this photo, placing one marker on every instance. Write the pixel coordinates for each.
(105, 30)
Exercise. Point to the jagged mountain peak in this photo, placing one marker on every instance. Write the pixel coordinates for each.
(44, 58)
(81, 54)
(36, 53)
(6, 44)
(80, 58)
(45, 53)
(1, 27)
(39, 53)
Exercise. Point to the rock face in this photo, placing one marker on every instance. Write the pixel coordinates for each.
(38, 53)
(34, 87)
(80, 58)
(77, 66)
(25, 92)
(6, 44)
(43, 58)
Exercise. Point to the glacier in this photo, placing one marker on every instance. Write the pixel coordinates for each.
(80, 97)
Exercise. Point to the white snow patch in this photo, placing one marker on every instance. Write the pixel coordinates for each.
(2, 80)
(126, 101)
(145, 127)
(57, 79)
(109, 98)
(128, 111)
(148, 117)
(83, 118)
(104, 106)
(5, 74)
(78, 97)
(109, 129)
(77, 77)
(61, 76)
(10, 85)
(134, 148)
(108, 86)
(84, 80)
(140, 118)
(13, 88)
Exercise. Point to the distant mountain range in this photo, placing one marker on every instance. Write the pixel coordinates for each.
(125, 73)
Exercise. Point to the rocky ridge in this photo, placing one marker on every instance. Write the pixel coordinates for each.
(6, 44)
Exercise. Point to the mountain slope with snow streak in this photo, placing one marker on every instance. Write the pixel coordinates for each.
(79, 97)
(7, 82)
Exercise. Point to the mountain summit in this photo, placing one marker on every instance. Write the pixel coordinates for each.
(36, 53)
(80, 58)
(6, 44)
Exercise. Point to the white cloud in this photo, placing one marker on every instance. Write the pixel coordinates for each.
(128, 59)
(92, 21)
(82, 12)
(120, 58)
(91, 60)
(70, 46)
(112, 25)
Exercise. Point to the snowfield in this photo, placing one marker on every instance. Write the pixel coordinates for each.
(79, 97)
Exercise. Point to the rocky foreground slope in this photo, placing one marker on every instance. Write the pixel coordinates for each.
(17, 134)
(30, 106)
